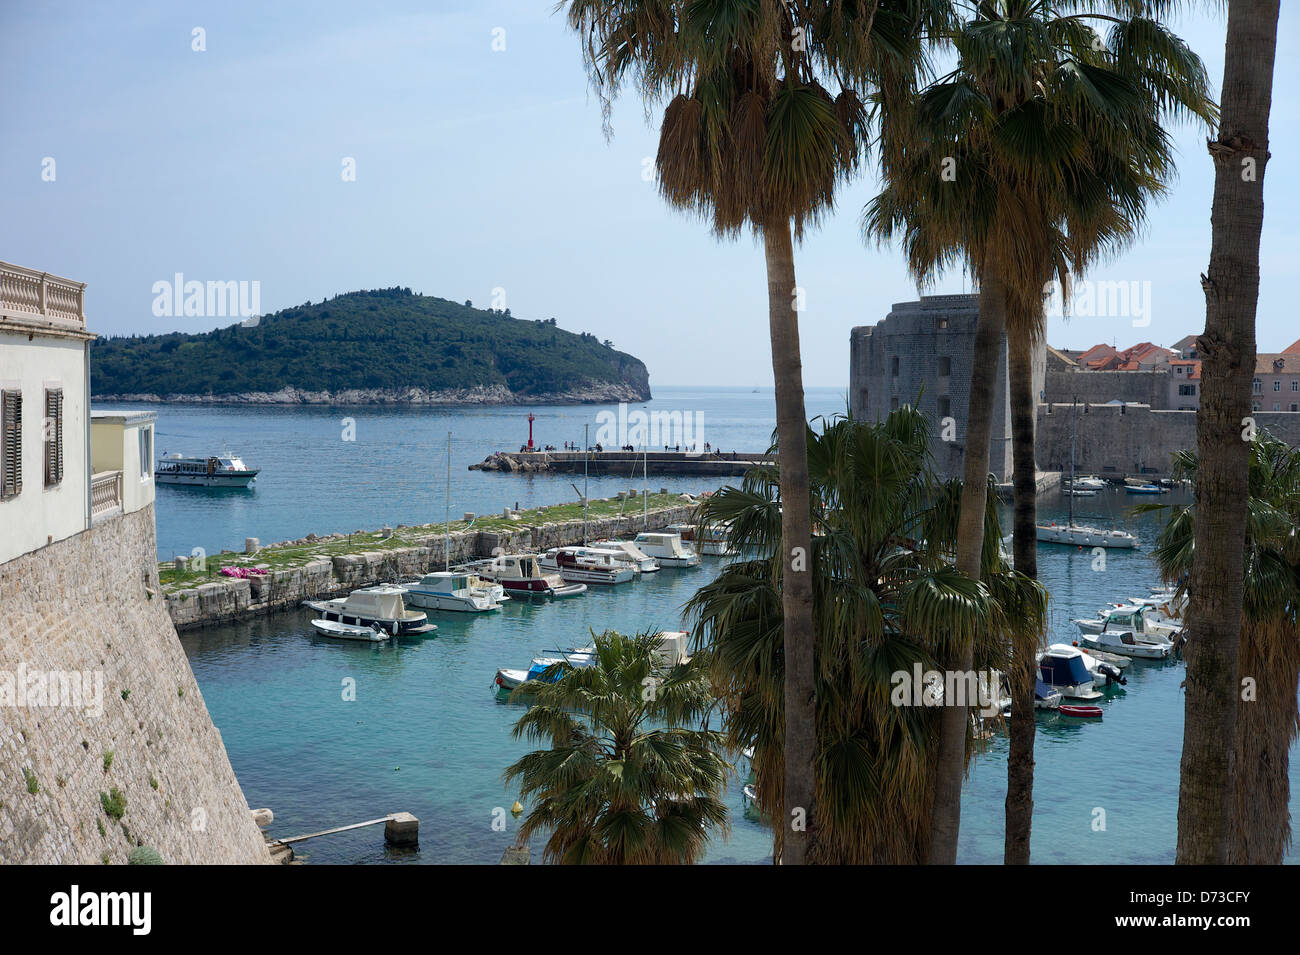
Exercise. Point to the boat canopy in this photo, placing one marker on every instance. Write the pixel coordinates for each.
(1059, 670)
(381, 603)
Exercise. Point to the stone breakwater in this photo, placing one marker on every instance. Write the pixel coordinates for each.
(589, 392)
(89, 776)
(628, 464)
(330, 576)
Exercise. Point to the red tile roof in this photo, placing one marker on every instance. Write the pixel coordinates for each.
(1293, 348)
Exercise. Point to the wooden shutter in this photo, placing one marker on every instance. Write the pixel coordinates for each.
(11, 443)
(53, 436)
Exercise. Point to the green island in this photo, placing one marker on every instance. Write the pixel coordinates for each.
(385, 345)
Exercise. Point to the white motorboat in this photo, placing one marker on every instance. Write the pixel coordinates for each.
(713, 542)
(218, 470)
(1125, 643)
(643, 561)
(1065, 669)
(456, 591)
(1083, 536)
(508, 678)
(347, 631)
(382, 606)
(1147, 624)
(667, 548)
(587, 568)
(1081, 492)
(521, 575)
(1087, 482)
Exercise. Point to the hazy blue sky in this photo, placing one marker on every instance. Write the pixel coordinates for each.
(475, 169)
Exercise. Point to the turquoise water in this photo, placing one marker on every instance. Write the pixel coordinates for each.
(427, 734)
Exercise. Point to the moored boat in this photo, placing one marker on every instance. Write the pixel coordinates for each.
(347, 631)
(583, 565)
(644, 562)
(1125, 643)
(1084, 536)
(667, 548)
(1064, 668)
(521, 575)
(713, 540)
(1080, 712)
(381, 606)
(456, 591)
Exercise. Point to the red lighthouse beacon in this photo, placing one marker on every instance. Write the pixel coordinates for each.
(531, 419)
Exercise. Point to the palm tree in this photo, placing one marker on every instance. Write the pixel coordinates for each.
(886, 600)
(627, 777)
(1260, 827)
(1052, 135)
(751, 138)
(1227, 350)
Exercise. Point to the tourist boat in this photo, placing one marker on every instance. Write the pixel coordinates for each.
(382, 606)
(455, 590)
(508, 678)
(1146, 623)
(587, 566)
(521, 575)
(1126, 643)
(1080, 712)
(1084, 536)
(219, 470)
(667, 548)
(644, 563)
(1145, 489)
(1065, 669)
(347, 631)
(713, 542)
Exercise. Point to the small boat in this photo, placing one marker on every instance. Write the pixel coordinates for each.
(382, 606)
(585, 566)
(508, 679)
(1065, 669)
(456, 591)
(347, 631)
(644, 563)
(1147, 624)
(1081, 492)
(1145, 489)
(1080, 712)
(1125, 643)
(1045, 698)
(218, 470)
(1088, 482)
(521, 575)
(667, 548)
(1084, 536)
(713, 542)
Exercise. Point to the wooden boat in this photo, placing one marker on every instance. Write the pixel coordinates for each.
(1080, 712)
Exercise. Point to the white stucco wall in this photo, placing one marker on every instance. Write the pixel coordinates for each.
(115, 446)
(41, 515)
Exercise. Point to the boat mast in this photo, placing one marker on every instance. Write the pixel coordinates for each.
(446, 540)
(586, 456)
(645, 489)
(1074, 432)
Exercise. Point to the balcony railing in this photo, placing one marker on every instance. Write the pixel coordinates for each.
(27, 293)
(105, 493)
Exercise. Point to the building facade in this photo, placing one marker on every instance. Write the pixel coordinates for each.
(921, 354)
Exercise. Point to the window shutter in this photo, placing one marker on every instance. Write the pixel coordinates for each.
(53, 436)
(11, 445)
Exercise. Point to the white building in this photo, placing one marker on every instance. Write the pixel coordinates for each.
(53, 482)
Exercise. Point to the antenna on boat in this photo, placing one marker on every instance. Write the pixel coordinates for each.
(446, 540)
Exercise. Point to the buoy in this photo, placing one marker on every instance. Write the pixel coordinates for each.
(517, 808)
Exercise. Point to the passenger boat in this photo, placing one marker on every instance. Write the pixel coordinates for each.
(667, 548)
(521, 575)
(643, 561)
(1125, 643)
(1065, 669)
(579, 565)
(346, 631)
(381, 606)
(219, 470)
(455, 590)
(713, 542)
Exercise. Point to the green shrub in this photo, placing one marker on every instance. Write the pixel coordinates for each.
(143, 855)
(114, 803)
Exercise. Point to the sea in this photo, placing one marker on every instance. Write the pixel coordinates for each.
(326, 733)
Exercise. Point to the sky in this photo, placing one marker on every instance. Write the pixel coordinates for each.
(481, 173)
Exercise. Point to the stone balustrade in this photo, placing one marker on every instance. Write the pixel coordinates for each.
(27, 293)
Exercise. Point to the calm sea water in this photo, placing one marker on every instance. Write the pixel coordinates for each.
(427, 734)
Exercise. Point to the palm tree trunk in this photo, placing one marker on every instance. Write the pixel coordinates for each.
(796, 537)
(1227, 350)
(1266, 727)
(1024, 665)
(945, 821)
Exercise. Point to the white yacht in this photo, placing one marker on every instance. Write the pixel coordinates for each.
(381, 606)
(454, 590)
(1065, 669)
(522, 576)
(667, 548)
(1125, 643)
(713, 542)
(581, 565)
(1084, 536)
(643, 561)
(1147, 623)
(219, 470)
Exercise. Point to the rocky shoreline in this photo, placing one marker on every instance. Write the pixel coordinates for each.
(593, 392)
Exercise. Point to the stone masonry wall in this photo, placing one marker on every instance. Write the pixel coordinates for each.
(83, 604)
(234, 599)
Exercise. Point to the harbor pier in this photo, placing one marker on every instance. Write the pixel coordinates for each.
(625, 463)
